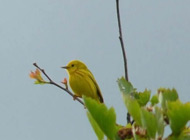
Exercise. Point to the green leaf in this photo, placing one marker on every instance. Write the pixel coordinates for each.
(185, 135)
(125, 87)
(154, 100)
(40, 82)
(166, 95)
(131, 104)
(95, 126)
(149, 122)
(153, 122)
(159, 121)
(104, 117)
(133, 108)
(142, 97)
(179, 115)
(179, 138)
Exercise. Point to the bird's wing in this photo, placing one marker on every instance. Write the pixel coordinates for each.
(97, 87)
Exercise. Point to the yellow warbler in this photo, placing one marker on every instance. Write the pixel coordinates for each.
(82, 81)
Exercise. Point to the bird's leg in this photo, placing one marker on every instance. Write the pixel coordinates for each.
(76, 96)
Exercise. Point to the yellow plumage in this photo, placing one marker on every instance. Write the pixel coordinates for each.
(82, 81)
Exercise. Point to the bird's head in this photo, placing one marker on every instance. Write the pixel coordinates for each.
(74, 65)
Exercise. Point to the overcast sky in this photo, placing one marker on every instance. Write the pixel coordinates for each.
(53, 32)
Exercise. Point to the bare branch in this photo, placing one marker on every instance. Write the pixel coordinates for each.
(123, 50)
(121, 41)
(57, 85)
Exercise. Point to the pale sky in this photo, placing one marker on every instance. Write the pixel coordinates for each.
(53, 32)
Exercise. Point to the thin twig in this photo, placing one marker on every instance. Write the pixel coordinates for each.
(57, 85)
(121, 41)
(123, 50)
(42, 70)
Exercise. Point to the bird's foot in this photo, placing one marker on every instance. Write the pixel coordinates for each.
(75, 97)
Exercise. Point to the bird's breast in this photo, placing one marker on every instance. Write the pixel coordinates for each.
(81, 84)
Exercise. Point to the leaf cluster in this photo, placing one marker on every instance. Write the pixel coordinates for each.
(150, 115)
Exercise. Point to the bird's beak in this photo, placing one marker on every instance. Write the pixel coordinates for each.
(65, 67)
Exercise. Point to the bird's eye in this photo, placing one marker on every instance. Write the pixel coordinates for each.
(72, 65)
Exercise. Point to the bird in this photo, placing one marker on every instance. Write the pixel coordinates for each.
(82, 81)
